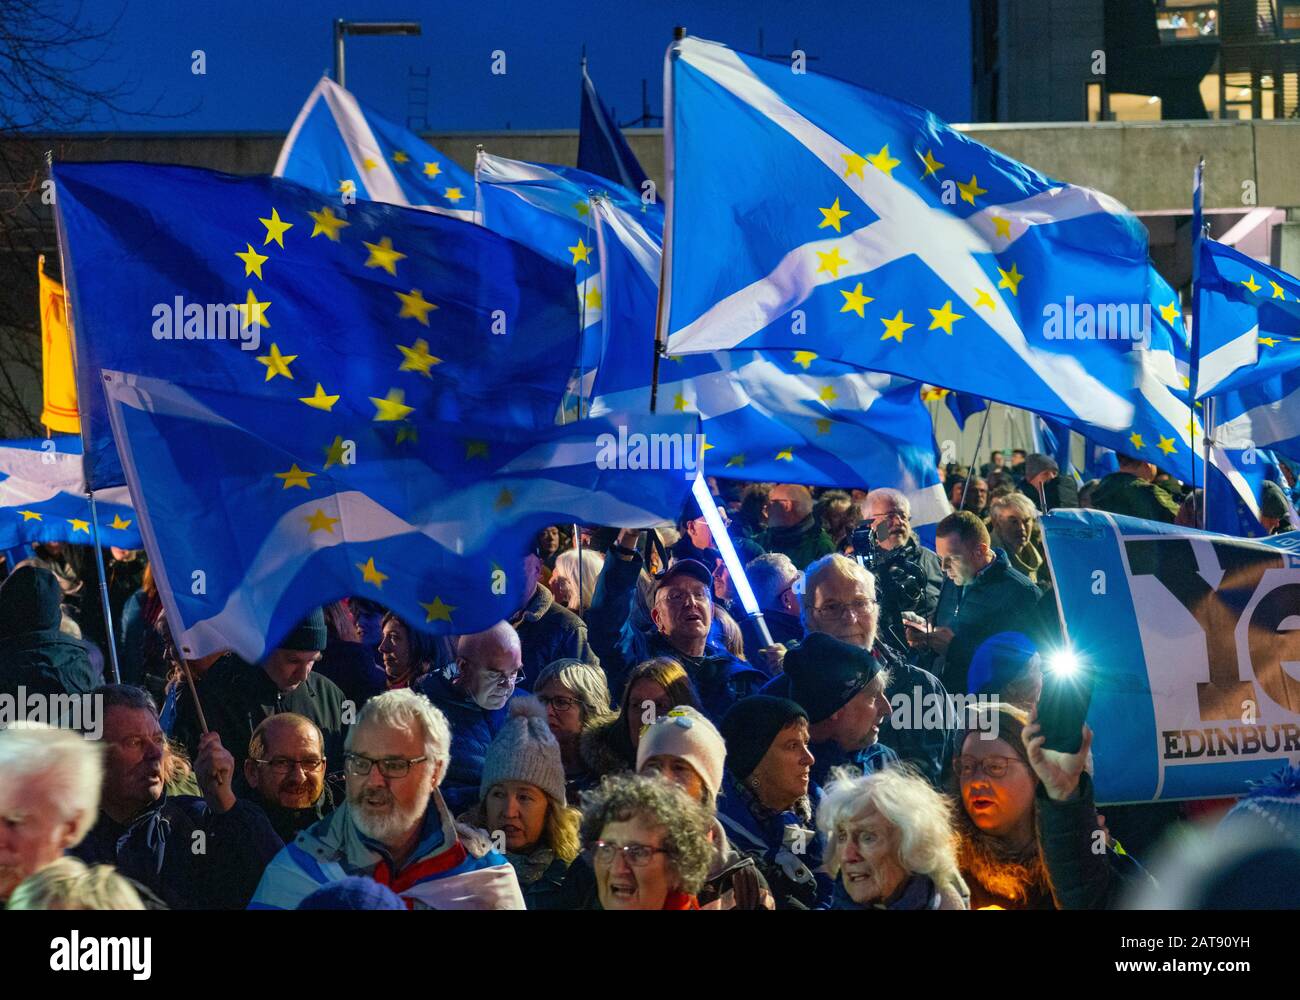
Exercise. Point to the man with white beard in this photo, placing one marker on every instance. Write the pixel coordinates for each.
(395, 827)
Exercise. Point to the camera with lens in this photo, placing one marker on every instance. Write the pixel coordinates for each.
(900, 582)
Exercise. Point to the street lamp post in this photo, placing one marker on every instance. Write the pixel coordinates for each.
(344, 28)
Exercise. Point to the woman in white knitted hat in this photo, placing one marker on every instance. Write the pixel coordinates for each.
(522, 805)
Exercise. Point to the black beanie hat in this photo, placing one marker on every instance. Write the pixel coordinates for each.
(750, 726)
(826, 672)
(308, 635)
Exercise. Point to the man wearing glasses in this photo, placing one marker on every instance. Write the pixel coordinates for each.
(394, 826)
(473, 699)
(285, 772)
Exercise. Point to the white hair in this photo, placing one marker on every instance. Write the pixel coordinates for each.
(404, 709)
(769, 575)
(566, 565)
(68, 884)
(62, 760)
(889, 493)
(1018, 502)
(832, 565)
(927, 844)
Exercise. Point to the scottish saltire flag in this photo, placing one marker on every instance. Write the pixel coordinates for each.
(602, 150)
(1052, 438)
(340, 147)
(805, 213)
(787, 416)
(259, 507)
(1248, 320)
(961, 405)
(366, 312)
(41, 498)
(1191, 641)
(1263, 415)
(1235, 490)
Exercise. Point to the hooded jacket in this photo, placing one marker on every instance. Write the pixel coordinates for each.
(472, 730)
(548, 632)
(34, 654)
(452, 868)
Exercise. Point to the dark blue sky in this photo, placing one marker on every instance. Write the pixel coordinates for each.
(264, 56)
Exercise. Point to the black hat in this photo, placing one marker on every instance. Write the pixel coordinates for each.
(689, 567)
(308, 635)
(750, 726)
(826, 672)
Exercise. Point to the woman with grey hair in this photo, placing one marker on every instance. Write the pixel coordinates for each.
(891, 843)
(647, 841)
(576, 698)
(1012, 526)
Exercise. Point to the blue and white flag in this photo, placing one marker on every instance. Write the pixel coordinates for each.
(41, 497)
(787, 416)
(1192, 640)
(805, 213)
(602, 150)
(250, 529)
(341, 148)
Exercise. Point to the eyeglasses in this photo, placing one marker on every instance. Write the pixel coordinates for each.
(637, 855)
(994, 767)
(283, 765)
(389, 767)
(890, 515)
(677, 598)
(558, 701)
(834, 609)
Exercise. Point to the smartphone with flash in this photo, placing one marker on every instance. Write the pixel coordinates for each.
(1063, 704)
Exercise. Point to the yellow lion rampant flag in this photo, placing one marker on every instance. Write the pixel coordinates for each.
(60, 408)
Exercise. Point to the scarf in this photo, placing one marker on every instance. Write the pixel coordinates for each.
(1003, 871)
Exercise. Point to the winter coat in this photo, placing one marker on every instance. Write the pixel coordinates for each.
(605, 748)
(999, 599)
(918, 893)
(236, 697)
(802, 542)
(159, 849)
(289, 822)
(472, 730)
(351, 667)
(1081, 878)
(784, 627)
(1000, 877)
(733, 875)
(452, 868)
(926, 747)
(1125, 493)
(541, 878)
(548, 632)
(34, 654)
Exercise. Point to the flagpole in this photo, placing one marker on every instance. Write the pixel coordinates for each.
(103, 589)
(988, 408)
(679, 32)
(1198, 234)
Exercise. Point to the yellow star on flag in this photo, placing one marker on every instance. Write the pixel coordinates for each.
(383, 255)
(944, 318)
(392, 406)
(823, 426)
(828, 394)
(275, 228)
(400, 157)
(432, 169)
(120, 523)
(983, 298)
(277, 363)
(1251, 284)
(407, 432)
(1268, 341)
(1136, 438)
(679, 402)
(736, 460)
(581, 252)
(415, 306)
(436, 611)
(582, 208)
(253, 261)
(853, 164)
(371, 575)
(295, 477)
(328, 223)
(417, 358)
(1166, 445)
(895, 327)
(883, 161)
(804, 358)
(1001, 226)
(932, 166)
(704, 444)
(253, 311)
(30, 515)
(832, 216)
(320, 521)
(1170, 312)
(78, 524)
(320, 399)
(831, 262)
(369, 164)
(971, 190)
(334, 452)
(1011, 279)
(593, 298)
(453, 195)
(854, 301)
(476, 449)
(504, 499)
(1278, 293)
(785, 456)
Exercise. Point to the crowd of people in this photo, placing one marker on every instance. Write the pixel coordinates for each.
(629, 739)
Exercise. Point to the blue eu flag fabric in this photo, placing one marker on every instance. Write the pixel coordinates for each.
(1248, 319)
(366, 312)
(254, 523)
(41, 498)
(340, 147)
(602, 149)
(837, 220)
(788, 416)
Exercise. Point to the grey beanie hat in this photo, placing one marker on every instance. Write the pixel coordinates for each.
(525, 749)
